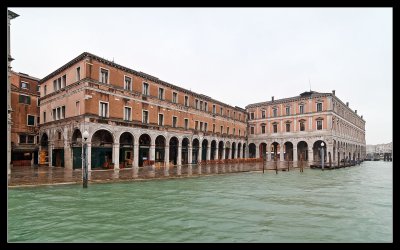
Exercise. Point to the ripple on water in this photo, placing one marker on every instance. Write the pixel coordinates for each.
(344, 205)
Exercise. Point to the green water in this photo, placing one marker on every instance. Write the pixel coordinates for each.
(344, 205)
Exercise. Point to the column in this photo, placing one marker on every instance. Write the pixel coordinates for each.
(89, 156)
(268, 152)
(166, 161)
(208, 155)
(67, 155)
(216, 153)
(237, 152)
(282, 157)
(258, 151)
(199, 154)
(190, 152)
(50, 154)
(166, 156)
(294, 155)
(179, 160)
(116, 155)
(247, 151)
(135, 155)
(310, 155)
(152, 152)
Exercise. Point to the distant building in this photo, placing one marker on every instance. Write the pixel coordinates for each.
(295, 127)
(25, 119)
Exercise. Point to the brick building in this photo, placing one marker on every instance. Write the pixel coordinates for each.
(131, 117)
(294, 128)
(25, 118)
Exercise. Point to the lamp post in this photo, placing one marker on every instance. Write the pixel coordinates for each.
(85, 162)
(322, 155)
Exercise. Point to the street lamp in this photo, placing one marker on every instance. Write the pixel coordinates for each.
(322, 155)
(85, 162)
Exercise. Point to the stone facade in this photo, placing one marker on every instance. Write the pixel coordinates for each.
(132, 118)
(295, 127)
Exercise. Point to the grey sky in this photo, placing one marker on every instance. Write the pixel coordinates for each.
(236, 55)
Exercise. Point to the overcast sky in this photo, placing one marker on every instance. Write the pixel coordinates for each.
(236, 55)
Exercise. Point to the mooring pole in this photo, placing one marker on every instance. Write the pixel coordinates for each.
(276, 164)
(263, 162)
(287, 158)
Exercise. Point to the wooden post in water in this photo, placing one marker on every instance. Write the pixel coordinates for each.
(276, 164)
(263, 162)
(330, 160)
(338, 160)
(301, 162)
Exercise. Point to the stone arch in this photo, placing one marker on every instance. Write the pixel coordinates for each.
(275, 150)
(160, 143)
(227, 149)
(144, 148)
(185, 150)
(220, 150)
(195, 150)
(213, 149)
(239, 155)
(204, 148)
(233, 150)
(302, 151)
(263, 150)
(173, 150)
(288, 151)
(317, 151)
(102, 141)
(252, 150)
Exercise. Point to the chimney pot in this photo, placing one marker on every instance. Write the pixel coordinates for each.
(272, 98)
(333, 92)
(347, 104)
(355, 111)
(361, 116)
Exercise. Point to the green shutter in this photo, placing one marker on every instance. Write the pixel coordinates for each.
(28, 100)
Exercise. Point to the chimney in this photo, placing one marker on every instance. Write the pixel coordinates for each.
(272, 98)
(347, 104)
(361, 116)
(333, 92)
(355, 111)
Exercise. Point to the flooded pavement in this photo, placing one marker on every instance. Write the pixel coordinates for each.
(32, 176)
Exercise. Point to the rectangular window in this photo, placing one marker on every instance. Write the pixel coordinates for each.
(196, 125)
(275, 128)
(275, 112)
(103, 75)
(196, 104)
(319, 124)
(31, 139)
(174, 121)
(319, 107)
(22, 138)
(31, 120)
(227, 130)
(161, 93)
(252, 130)
(24, 85)
(201, 105)
(78, 73)
(145, 88)
(287, 127)
(127, 113)
(55, 85)
(186, 101)
(59, 83)
(214, 109)
(44, 116)
(38, 89)
(302, 126)
(205, 106)
(252, 116)
(240, 117)
(58, 113)
(64, 81)
(301, 107)
(128, 83)
(145, 116)
(262, 129)
(239, 132)
(263, 114)
(229, 113)
(234, 130)
(201, 126)
(222, 129)
(77, 108)
(174, 97)
(62, 112)
(161, 119)
(54, 115)
(213, 128)
(25, 99)
(234, 115)
(205, 126)
(222, 111)
(287, 110)
(45, 90)
(103, 110)
(186, 123)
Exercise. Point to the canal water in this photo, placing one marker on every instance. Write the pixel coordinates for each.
(345, 205)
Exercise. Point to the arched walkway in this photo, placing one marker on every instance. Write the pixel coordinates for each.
(195, 151)
(288, 151)
(317, 151)
(204, 149)
(76, 148)
(213, 149)
(252, 150)
(160, 149)
(144, 148)
(126, 149)
(185, 151)
(275, 151)
(302, 151)
(101, 155)
(173, 150)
